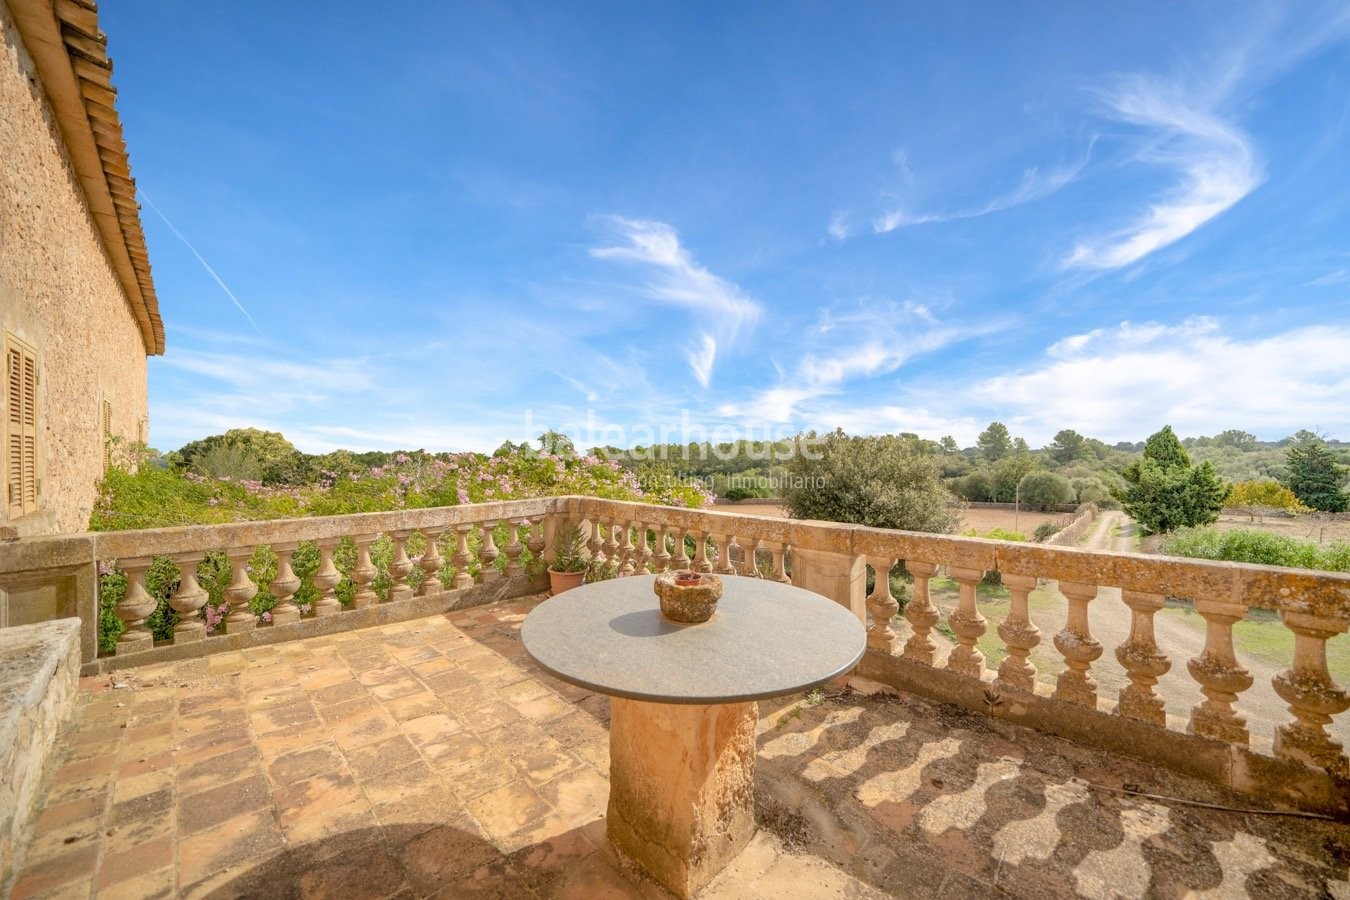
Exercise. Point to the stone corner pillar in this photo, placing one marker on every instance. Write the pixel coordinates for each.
(840, 576)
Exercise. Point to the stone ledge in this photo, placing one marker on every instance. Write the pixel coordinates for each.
(39, 679)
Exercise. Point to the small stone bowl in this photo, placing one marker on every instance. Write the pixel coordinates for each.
(685, 600)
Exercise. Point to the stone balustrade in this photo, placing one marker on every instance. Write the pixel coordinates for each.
(436, 559)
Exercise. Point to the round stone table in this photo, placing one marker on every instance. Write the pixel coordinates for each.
(683, 718)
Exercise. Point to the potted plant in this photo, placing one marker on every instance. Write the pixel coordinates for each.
(568, 568)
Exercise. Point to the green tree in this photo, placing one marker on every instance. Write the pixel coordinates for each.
(877, 481)
(1043, 490)
(1164, 492)
(1008, 473)
(1067, 447)
(247, 453)
(948, 444)
(1237, 439)
(1315, 476)
(994, 442)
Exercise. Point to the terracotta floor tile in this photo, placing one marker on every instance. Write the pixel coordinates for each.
(55, 816)
(129, 788)
(507, 809)
(285, 717)
(367, 726)
(443, 855)
(323, 830)
(298, 765)
(432, 729)
(205, 810)
(404, 686)
(383, 756)
(142, 886)
(414, 706)
(130, 765)
(340, 693)
(276, 744)
(388, 786)
(252, 837)
(75, 868)
(314, 796)
(130, 863)
(217, 770)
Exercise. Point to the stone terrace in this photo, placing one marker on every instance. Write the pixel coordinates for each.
(431, 759)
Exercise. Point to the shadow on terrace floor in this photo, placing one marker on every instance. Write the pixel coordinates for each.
(430, 759)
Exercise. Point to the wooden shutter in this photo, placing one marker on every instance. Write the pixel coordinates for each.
(21, 430)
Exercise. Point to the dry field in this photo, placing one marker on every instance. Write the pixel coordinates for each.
(982, 520)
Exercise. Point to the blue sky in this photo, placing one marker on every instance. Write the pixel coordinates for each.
(447, 225)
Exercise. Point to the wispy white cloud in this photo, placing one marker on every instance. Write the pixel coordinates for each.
(1035, 185)
(871, 341)
(1215, 162)
(1121, 382)
(723, 309)
(839, 225)
(1340, 276)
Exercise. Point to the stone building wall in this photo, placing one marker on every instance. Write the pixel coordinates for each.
(59, 295)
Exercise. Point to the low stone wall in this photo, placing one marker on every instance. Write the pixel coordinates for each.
(39, 677)
(1069, 534)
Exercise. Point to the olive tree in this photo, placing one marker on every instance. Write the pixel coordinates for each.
(878, 481)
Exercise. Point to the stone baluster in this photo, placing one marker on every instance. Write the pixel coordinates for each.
(536, 542)
(1312, 695)
(514, 549)
(750, 564)
(1019, 635)
(135, 607)
(430, 563)
(1078, 647)
(463, 578)
(1220, 675)
(326, 581)
(662, 560)
(400, 567)
(701, 562)
(921, 614)
(968, 624)
(611, 546)
(364, 573)
(240, 591)
(284, 585)
(780, 563)
(883, 606)
(627, 550)
(1143, 662)
(596, 544)
(488, 553)
(723, 543)
(188, 600)
(746, 551)
(645, 554)
(682, 560)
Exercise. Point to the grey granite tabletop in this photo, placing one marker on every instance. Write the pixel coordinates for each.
(765, 640)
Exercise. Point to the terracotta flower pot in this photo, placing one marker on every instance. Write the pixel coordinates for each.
(564, 581)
